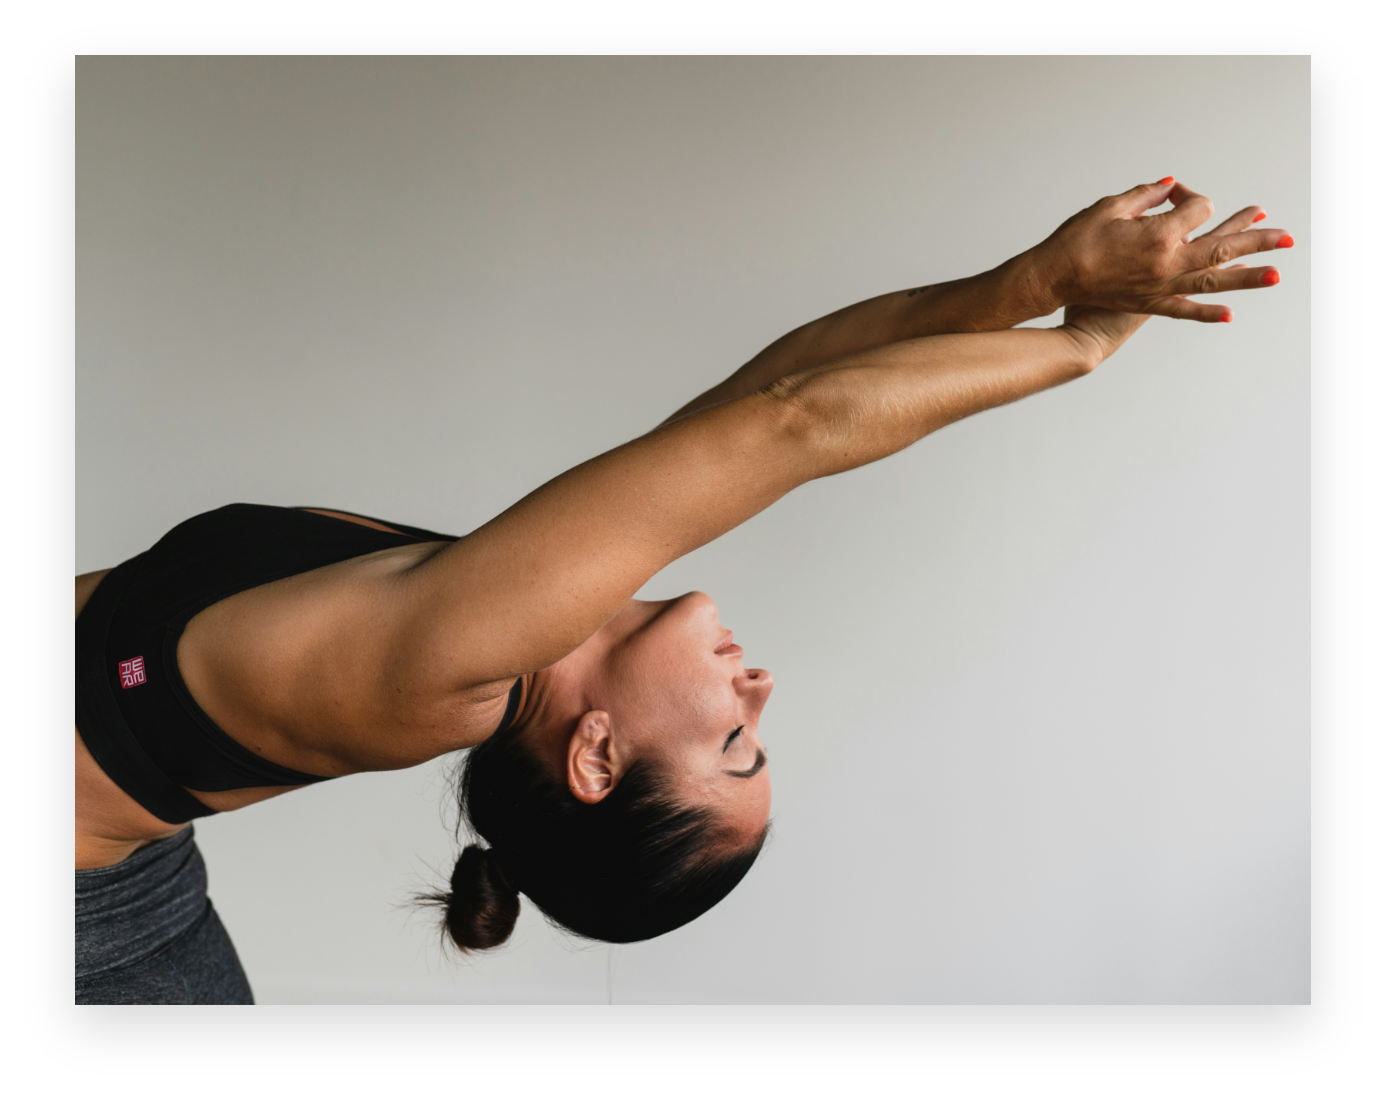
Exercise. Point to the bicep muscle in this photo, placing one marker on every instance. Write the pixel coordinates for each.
(534, 583)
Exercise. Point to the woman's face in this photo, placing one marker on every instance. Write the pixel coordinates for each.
(672, 680)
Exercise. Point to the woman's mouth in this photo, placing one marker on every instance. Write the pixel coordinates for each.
(728, 648)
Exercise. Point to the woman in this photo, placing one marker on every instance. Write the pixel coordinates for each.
(617, 774)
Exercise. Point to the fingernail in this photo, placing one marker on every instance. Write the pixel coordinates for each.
(1167, 179)
(1270, 278)
(1225, 317)
(1285, 242)
(1259, 217)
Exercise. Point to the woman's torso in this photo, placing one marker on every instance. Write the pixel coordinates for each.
(287, 670)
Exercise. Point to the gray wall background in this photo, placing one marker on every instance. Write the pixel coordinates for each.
(1040, 728)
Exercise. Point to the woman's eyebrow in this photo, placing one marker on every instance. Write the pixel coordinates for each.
(732, 737)
(760, 763)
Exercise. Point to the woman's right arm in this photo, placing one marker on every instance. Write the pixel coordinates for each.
(530, 586)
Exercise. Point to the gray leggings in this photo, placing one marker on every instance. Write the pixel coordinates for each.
(147, 933)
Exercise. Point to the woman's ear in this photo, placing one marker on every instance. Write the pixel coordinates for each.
(591, 769)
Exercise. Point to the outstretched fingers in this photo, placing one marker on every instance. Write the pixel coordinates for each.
(1215, 280)
(1184, 310)
(1236, 223)
(1214, 249)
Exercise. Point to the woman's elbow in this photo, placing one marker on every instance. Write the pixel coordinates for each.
(799, 423)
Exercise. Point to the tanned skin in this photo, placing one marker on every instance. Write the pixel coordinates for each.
(392, 659)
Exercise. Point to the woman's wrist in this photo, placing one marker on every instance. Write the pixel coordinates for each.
(1097, 332)
(1089, 352)
(1033, 283)
(1015, 291)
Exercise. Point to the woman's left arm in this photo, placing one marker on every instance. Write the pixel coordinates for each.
(1109, 255)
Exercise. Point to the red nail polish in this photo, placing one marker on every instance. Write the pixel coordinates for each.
(1167, 179)
(1259, 217)
(1225, 317)
(1285, 242)
(1270, 278)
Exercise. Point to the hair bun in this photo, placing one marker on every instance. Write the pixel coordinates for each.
(482, 907)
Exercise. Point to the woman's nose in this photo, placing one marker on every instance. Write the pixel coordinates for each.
(755, 684)
(699, 603)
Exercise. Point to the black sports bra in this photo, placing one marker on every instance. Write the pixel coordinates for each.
(134, 712)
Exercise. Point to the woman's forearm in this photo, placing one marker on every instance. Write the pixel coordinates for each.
(870, 405)
(579, 546)
(996, 299)
(1111, 255)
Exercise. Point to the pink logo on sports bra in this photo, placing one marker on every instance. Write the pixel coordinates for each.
(132, 672)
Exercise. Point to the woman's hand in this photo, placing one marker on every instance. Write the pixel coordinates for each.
(1111, 255)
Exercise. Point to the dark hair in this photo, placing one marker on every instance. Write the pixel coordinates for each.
(631, 867)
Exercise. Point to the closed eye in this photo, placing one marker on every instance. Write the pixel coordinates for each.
(730, 738)
(753, 769)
